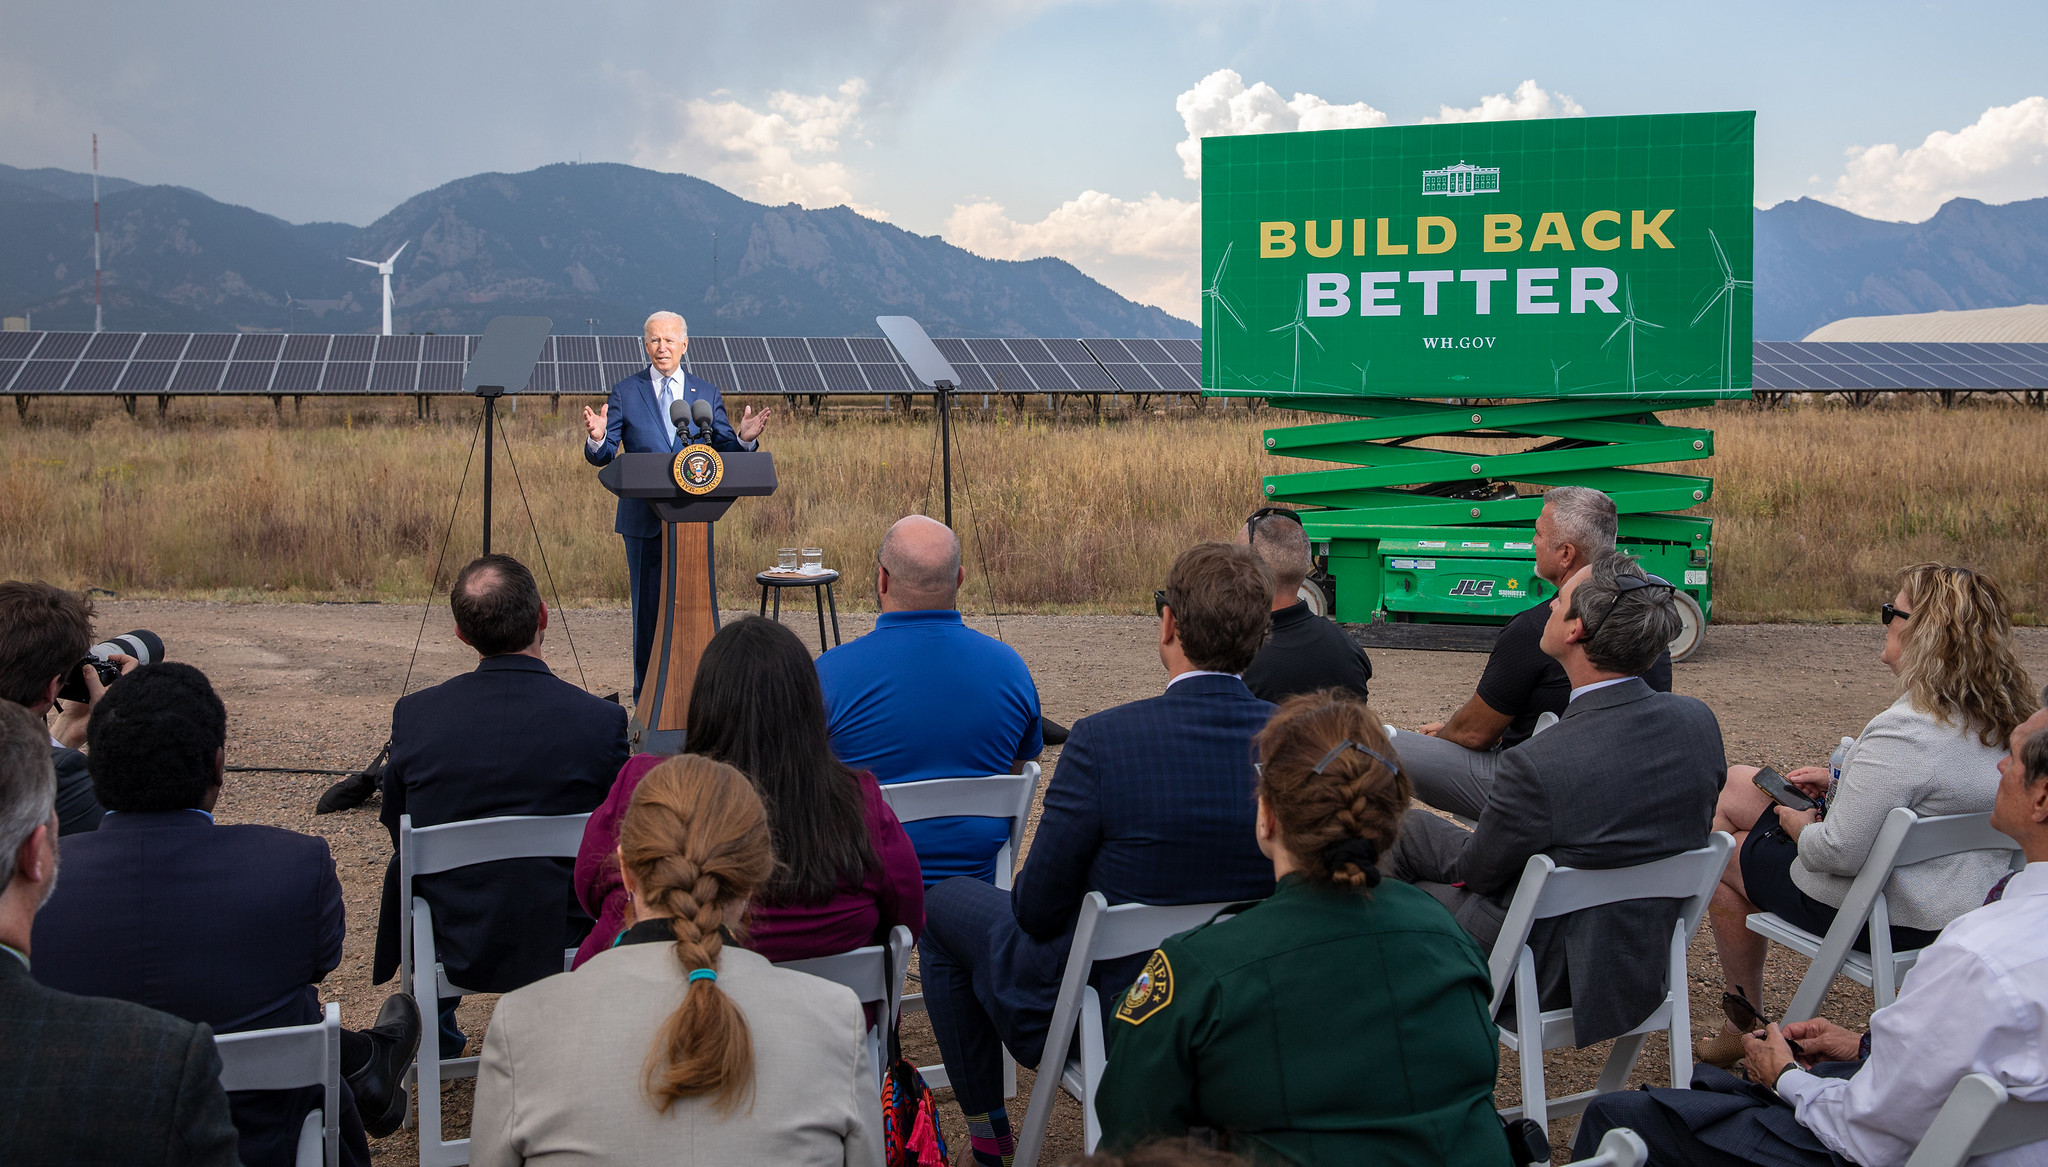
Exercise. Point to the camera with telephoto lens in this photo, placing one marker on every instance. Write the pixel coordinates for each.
(142, 644)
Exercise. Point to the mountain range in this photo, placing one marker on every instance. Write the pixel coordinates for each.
(606, 242)
(598, 242)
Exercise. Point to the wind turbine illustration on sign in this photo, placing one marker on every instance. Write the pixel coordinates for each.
(1219, 303)
(1299, 326)
(1630, 322)
(1725, 296)
(384, 269)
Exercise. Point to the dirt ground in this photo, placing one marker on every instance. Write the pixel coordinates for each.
(312, 685)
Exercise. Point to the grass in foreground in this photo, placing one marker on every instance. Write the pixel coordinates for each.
(1818, 506)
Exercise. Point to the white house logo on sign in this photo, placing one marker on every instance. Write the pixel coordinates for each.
(1462, 179)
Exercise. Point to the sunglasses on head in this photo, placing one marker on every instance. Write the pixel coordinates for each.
(1263, 513)
(1159, 602)
(1888, 613)
(1623, 585)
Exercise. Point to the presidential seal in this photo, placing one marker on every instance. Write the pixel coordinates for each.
(698, 469)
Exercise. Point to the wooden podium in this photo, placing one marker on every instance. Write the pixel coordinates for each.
(688, 491)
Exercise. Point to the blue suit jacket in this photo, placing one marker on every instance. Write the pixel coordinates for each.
(227, 925)
(1152, 802)
(634, 424)
(510, 738)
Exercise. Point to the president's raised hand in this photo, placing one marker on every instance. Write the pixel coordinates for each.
(594, 421)
(751, 423)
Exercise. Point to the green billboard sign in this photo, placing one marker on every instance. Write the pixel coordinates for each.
(1574, 257)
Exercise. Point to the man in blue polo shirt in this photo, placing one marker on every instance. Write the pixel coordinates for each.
(925, 696)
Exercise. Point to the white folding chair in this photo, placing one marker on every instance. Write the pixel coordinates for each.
(1548, 890)
(1905, 839)
(1101, 933)
(1620, 1147)
(998, 796)
(430, 851)
(289, 1057)
(875, 974)
(1979, 1118)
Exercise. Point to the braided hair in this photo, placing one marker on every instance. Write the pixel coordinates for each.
(1334, 786)
(695, 839)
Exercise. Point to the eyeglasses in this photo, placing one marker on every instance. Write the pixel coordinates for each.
(1623, 585)
(1159, 602)
(1889, 613)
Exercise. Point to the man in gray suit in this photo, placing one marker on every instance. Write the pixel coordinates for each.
(1629, 775)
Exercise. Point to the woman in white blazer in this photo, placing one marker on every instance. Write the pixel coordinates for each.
(1949, 640)
(677, 1046)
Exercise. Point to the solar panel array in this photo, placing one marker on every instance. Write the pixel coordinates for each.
(269, 364)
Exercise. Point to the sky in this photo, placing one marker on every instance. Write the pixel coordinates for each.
(1014, 128)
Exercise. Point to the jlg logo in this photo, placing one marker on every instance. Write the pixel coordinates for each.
(1473, 587)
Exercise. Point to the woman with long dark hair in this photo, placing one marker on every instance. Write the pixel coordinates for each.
(845, 873)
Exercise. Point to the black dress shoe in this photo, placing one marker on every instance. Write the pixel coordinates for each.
(379, 1085)
(1055, 733)
(347, 794)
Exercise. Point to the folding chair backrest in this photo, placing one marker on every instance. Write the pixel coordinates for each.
(867, 971)
(1979, 1118)
(465, 844)
(290, 1057)
(996, 796)
(1127, 929)
(1932, 838)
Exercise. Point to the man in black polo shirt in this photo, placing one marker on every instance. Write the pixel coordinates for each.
(1305, 653)
(1451, 762)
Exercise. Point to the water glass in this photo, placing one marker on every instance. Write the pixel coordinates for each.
(785, 559)
(814, 559)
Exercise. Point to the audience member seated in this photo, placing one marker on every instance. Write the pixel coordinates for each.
(1452, 763)
(44, 635)
(1306, 653)
(229, 925)
(884, 693)
(744, 1063)
(846, 873)
(1152, 802)
(1233, 1026)
(1935, 750)
(1627, 777)
(1975, 1003)
(85, 1079)
(509, 738)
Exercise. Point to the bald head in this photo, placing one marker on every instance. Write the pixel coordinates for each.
(920, 560)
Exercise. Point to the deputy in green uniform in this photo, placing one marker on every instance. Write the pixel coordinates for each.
(1342, 1021)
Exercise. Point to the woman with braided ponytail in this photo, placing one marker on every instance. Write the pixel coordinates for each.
(678, 1045)
(1345, 1019)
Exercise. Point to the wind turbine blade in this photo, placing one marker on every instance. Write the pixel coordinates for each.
(1311, 335)
(1221, 264)
(1625, 322)
(1710, 305)
(1727, 273)
(1224, 301)
(364, 262)
(399, 252)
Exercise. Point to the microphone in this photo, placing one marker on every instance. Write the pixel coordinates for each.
(679, 415)
(700, 412)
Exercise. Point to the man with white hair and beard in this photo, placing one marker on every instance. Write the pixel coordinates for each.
(638, 418)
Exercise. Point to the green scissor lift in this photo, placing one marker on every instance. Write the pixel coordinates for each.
(1433, 548)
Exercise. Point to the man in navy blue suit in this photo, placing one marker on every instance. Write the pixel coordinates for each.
(509, 738)
(230, 925)
(637, 419)
(1151, 802)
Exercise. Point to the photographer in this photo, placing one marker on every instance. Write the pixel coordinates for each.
(45, 633)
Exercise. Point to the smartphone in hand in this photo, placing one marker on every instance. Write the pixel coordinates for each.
(1781, 791)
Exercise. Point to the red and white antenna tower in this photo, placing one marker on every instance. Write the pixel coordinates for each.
(98, 320)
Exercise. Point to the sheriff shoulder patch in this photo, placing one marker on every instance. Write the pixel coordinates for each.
(1151, 992)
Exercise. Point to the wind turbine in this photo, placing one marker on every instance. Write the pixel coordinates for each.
(1631, 322)
(1299, 326)
(384, 269)
(1556, 372)
(1219, 303)
(1725, 295)
(1364, 374)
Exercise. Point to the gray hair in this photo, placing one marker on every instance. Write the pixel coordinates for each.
(934, 581)
(1634, 628)
(28, 786)
(1283, 544)
(665, 314)
(1584, 518)
(2033, 757)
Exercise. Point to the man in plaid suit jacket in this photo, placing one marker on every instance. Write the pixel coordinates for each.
(85, 1079)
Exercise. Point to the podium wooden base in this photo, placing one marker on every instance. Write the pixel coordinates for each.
(687, 621)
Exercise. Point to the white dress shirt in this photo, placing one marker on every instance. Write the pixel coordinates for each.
(1582, 690)
(1976, 1003)
(1179, 677)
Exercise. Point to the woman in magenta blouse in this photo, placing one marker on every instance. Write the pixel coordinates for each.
(845, 873)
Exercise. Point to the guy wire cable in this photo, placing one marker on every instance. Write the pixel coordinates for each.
(980, 547)
(542, 551)
(433, 579)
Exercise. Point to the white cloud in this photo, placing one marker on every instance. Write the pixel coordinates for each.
(1529, 100)
(788, 153)
(1221, 104)
(1142, 248)
(2001, 157)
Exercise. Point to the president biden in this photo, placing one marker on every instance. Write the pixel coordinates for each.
(639, 418)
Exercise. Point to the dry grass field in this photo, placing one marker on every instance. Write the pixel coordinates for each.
(1818, 505)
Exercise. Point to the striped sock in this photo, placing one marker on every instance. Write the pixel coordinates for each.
(988, 1136)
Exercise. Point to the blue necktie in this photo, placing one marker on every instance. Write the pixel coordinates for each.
(666, 399)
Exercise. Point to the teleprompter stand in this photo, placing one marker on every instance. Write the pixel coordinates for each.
(687, 618)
